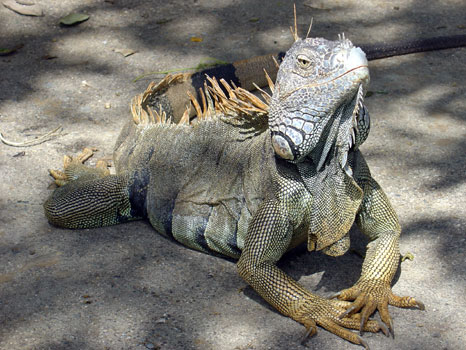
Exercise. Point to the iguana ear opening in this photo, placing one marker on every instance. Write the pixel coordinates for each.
(282, 147)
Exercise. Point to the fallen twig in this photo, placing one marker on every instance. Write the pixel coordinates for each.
(34, 142)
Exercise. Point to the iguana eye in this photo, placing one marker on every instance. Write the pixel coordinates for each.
(304, 61)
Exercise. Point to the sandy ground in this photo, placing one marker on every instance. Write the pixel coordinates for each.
(126, 287)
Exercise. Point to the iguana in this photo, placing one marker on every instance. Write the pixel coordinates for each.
(250, 179)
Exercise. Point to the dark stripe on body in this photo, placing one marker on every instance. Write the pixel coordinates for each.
(138, 192)
(200, 234)
(383, 50)
(162, 211)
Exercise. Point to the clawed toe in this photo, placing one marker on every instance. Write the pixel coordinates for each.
(310, 331)
(383, 327)
(363, 343)
(392, 328)
(73, 168)
(420, 305)
(86, 154)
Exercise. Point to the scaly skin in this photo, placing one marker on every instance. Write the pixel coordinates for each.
(231, 185)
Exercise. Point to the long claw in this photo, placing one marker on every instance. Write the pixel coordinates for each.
(392, 329)
(363, 343)
(347, 312)
(368, 296)
(366, 313)
(384, 328)
(334, 295)
(309, 333)
(355, 307)
(74, 168)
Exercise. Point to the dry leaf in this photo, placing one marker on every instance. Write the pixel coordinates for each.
(85, 84)
(125, 52)
(26, 10)
(318, 5)
(20, 154)
(74, 18)
(164, 20)
(9, 51)
(49, 57)
(26, 2)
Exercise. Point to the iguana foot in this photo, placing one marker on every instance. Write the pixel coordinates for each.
(74, 168)
(369, 295)
(326, 313)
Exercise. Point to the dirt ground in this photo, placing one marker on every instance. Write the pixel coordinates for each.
(126, 287)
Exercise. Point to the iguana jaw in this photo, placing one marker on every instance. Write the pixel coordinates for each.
(324, 82)
(348, 126)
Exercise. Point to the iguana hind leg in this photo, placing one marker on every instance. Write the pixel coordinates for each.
(89, 197)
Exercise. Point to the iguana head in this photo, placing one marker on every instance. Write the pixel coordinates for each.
(317, 99)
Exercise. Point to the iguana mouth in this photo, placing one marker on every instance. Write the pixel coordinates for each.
(348, 129)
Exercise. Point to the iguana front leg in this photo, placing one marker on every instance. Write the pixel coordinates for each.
(269, 236)
(377, 219)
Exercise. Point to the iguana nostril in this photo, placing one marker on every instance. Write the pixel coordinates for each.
(356, 58)
(282, 147)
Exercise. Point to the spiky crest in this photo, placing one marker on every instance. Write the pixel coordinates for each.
(232, 104)
(294, 32)
(310, 27)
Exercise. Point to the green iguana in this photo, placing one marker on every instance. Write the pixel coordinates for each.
(251, 179)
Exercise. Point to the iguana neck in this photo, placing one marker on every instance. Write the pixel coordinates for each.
(337, 137)
(332, 191)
